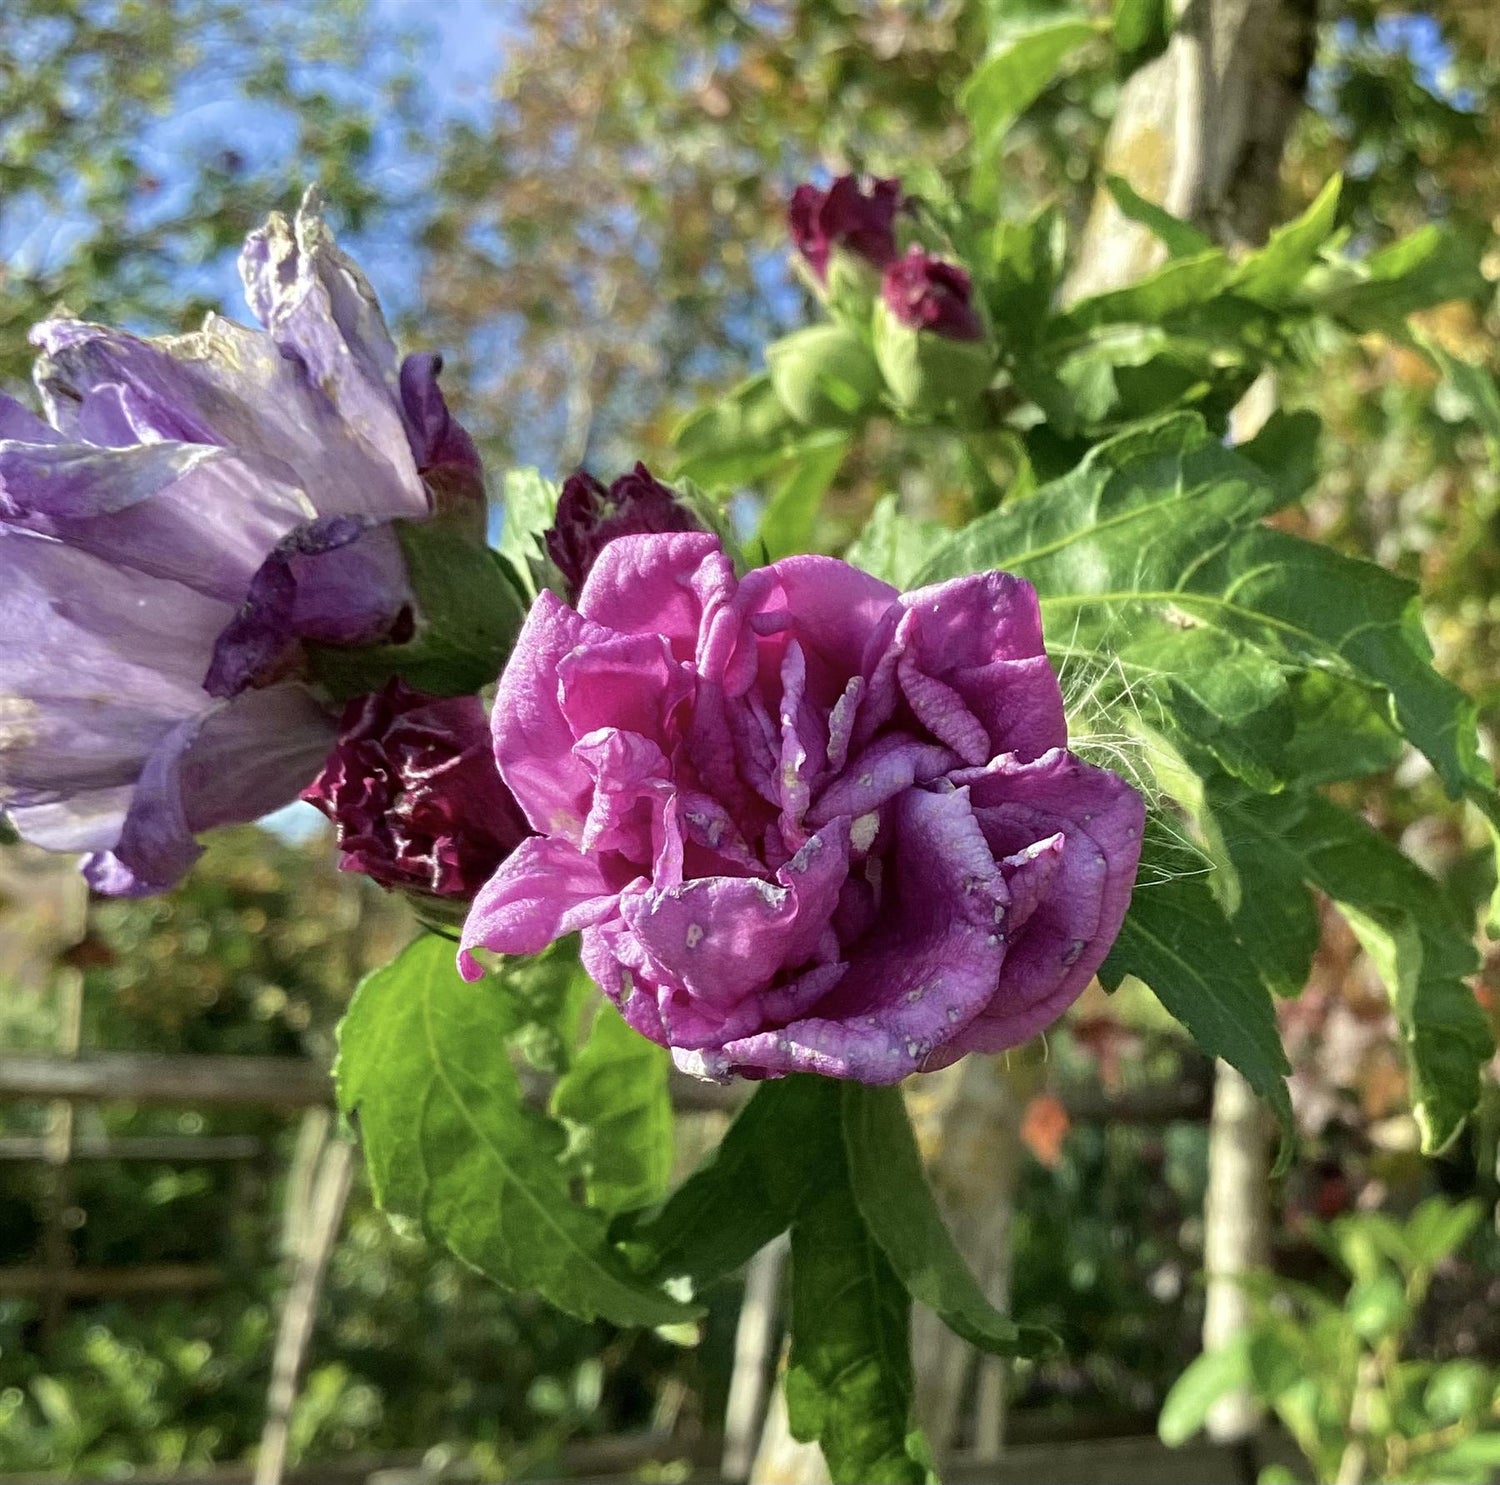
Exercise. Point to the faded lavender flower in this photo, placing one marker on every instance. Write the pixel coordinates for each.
(929, 293)
(589, 516)
(414, 795)
(846, 216)
(804, 822)
(193, 509)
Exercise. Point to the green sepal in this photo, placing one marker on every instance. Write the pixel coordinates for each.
(467, 615)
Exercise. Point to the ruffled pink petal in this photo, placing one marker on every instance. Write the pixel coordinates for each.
(657, 585)
(544, 889)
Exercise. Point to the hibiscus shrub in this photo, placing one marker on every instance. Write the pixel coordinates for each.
(742, 810)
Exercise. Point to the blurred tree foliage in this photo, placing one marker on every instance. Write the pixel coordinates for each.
(141, 139)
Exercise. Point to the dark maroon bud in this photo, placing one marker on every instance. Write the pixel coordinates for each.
(589, 516)
(930, 293)
(847, 216)
(414, 795)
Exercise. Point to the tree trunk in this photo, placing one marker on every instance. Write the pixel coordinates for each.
(1201, 131)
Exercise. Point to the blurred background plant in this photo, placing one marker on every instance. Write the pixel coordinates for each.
(581, 203)
(1353, 1378)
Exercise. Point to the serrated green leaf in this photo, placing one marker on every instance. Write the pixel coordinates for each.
(449, 1141)
(1177, 940)
(1017, 72)
(747, 1191)
(1151, 559)
(849, 1378)
(1181, 239)
(1402, 918)
(891, 1191)
(616, 1101)
(529, 504)
(892, 547)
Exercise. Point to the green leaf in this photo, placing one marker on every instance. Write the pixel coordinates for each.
(1182, 283)
(545, 996)
(1474, 386)
(1438, 1229)
(423, 1071)
(791, 516)
(747, 1191)
(1208, 1378)
(1181, 239)
(1271, 274)
(1177, 940)
(615, 1100)
(892, 546)
(1286, 451)
(1141, 28)
(1416, 941)
(849, 1379)
(738, 440)
(1475, 1458)
(1151, 559)
(1027, 268)
(529, 506)
(468, 614)
(1430, 267)
(1017, 72)
(891, 1191)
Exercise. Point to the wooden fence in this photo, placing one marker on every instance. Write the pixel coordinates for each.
(316, 1191)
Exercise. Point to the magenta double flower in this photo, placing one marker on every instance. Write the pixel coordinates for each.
(804, 822)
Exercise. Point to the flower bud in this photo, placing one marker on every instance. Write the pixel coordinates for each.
(930, 340)
(824, 376)
(414, 795)
(589, 517)
(846, 237)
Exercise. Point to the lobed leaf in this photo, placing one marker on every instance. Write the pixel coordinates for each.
(424, 1071)
(849, 1378)
(1417, 942)
(1177, 940)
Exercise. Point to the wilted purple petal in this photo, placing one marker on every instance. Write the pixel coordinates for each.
(194, 508)
(445, 455)
(195, 514)
(338, 580)
(234, 762)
